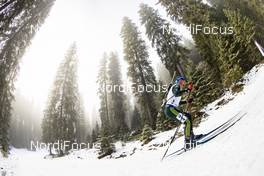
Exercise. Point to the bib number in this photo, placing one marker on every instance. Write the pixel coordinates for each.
(181, 118)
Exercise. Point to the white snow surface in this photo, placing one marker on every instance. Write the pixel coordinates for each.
(236, 152)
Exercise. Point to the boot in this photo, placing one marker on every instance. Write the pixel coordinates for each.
(197, 137)
(187, 144)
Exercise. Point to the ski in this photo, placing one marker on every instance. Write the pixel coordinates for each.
(220, 126)
(212, 134)
(220, 130)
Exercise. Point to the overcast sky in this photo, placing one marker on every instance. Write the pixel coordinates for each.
(95, 25)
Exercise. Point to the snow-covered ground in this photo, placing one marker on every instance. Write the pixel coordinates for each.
(238, 151)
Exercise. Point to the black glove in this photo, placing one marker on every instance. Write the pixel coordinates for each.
(188, 115)
(190, 100)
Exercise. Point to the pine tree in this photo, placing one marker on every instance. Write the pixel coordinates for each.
(117, 106)
(94, 136)
(164, 39)
(63, 115)
(160, 123)
(82, 123)
(104, 111)
(206, 90)
(147, 134)
(252, 9)
(97, 129)
(102, 81)
(223, 53)
(19, 22)
(237, 53)
(107, 147)
(238, 12)
(139, 70)
(183, 12)
(136, 120)
(24, 126)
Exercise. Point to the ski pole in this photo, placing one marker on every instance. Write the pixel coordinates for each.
(173, 137)
(190, 87)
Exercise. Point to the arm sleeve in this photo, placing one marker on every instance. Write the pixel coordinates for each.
(183, 102)
(177, 92)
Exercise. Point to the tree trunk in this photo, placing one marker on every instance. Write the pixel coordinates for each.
(145, 95)
(180, 69)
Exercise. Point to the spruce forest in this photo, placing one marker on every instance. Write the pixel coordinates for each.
(214, 63)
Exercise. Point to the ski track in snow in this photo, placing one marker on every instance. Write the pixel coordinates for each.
(236, 152)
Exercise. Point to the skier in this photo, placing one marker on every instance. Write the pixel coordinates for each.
(174, 111)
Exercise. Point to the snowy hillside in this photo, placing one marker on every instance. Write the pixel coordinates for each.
(238, 151)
